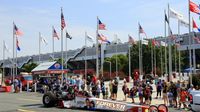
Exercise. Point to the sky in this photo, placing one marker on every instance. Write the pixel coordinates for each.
(120, 16)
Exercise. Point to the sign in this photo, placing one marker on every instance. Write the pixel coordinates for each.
(110, 105)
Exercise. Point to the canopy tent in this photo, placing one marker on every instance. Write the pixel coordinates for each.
(49, 68)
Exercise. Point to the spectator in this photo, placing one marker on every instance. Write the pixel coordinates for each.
(165, 96)
(183, 96)
(88, 81)
(98, 89)
(191, 88)
(115, 88)
(158, 89)
(140, 92)
(111, 89)
(106, 93)
(103, 89)
(125, 90)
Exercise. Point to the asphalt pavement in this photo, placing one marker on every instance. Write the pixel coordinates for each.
(32, 102)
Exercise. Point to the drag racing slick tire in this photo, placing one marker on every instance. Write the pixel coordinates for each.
(49, 99)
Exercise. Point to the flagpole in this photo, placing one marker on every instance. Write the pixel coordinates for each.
(16, 55)
(116, 55)
(39, 45)
(61, 50)
(161, 59)
(53, 41)
(66, 51)
(152, 57)
(140, 69)
(155, 57)
(129, 59)
(85, 55)
(13, 72)
(194, 56)
(179, 53)
(190, 53)
(170, 55)
(3, 73)
(97, 57)
(165, 33)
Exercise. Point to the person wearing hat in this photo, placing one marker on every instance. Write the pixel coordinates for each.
(191, 88)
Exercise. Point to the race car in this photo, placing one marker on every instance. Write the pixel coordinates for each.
(71, 98)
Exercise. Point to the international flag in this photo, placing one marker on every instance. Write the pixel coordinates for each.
(17, 45)
(166, 19)
(17, 31)
(62, 20)
(55, 33)
(103, 38)
(141, 30)
(155, 42)
(101, 25)
(194, 25)
(130, 40)
(194, 7)
(89, 38)
(68, 36)
(174, 14)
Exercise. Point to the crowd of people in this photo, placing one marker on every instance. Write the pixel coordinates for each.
(173, 94)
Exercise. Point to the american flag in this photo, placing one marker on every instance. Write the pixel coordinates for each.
(55, 33)
(101, 25)
(130, 40)
(62, 20)
(17, 45)
(141, 30)
(17, 31)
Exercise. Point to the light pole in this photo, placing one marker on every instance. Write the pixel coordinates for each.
(110, 67)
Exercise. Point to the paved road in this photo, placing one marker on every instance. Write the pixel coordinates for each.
(31, 102)
(25, 102)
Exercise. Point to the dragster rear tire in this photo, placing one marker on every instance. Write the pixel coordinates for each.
(49, 99)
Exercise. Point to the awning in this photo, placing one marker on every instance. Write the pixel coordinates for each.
(49, 68)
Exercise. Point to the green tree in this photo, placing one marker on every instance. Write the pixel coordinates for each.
(29, 67)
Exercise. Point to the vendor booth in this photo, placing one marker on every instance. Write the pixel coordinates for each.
(49, 68)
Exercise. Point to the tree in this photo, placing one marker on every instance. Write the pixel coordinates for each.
(29, 67)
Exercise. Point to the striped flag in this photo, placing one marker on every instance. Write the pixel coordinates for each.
(17, 31)
(55, 33)
(130, 40)
(101, 25)
(141, 30)
(103, 38)
(62, 20)
(17, 45)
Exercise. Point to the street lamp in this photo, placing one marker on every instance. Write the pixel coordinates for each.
(110, 67)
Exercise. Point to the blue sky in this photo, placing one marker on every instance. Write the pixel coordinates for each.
(120, 16)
